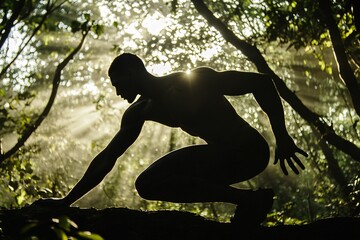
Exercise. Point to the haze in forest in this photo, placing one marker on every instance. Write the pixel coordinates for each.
(297, 46)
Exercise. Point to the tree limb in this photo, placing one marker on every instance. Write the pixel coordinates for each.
(254, 55)
(122, 223)
(10, 23)
(49, 10)
(55, 85)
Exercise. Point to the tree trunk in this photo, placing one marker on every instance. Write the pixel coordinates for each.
(346, 73)
(334, 168)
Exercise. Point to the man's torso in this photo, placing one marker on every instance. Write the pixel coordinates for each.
(188, 104)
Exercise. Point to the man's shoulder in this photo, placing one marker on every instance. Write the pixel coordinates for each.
(136, 111)
(138, 105)
(204, 70)
(205, 79)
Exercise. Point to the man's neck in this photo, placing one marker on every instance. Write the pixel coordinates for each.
(151, 86)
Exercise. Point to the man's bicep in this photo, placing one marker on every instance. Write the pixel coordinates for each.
(131, 125)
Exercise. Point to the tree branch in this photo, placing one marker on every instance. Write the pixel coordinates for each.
(55, 85)
(49, 9)
(9, 24)
(254, 55)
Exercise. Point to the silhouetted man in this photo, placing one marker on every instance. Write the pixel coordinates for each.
(196, 103)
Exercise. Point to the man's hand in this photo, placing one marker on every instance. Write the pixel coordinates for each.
(50, 202)
(285, 151)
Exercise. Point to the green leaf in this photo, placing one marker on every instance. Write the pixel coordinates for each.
(28, 168)
(98, 29)
(84, 26)
(66, 223)
(87, 16)
(60, 234)
(29, 227)
(2, 92)
(13, 185)
(21, 198)
(322, 65)
(75, 26)
(89, 235)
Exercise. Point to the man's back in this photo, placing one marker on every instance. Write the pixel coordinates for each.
(186, 101)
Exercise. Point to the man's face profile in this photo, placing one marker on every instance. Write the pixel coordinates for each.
(124, 72)
(123, 86)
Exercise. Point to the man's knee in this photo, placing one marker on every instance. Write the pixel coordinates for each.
(144, 187)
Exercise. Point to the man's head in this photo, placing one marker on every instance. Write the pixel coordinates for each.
(125, 73)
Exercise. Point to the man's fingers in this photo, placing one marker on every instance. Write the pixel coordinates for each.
(302, 152)
(298, 162)
(291, 161)
(283, 167)
(292, 166)
(276, 159)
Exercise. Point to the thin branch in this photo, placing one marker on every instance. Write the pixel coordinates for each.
(50, 9)
(55, 85)
(10, 23)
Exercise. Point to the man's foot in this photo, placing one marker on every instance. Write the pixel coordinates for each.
(253, 210)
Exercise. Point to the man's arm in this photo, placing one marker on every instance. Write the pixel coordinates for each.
(234, 83)
(268, 98)
(265, 93)
(102, 164)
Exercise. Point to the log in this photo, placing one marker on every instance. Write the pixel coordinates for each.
(123, 223)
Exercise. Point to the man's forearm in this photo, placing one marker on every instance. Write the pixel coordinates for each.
(95, 173)
(269, 100)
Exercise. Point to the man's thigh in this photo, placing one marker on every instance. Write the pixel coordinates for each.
(217, 164)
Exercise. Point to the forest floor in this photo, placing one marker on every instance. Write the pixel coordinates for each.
(121, 223)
